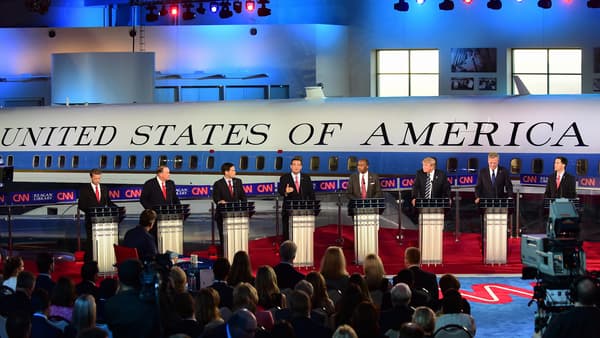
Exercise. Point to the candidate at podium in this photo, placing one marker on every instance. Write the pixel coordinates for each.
(363, 184)
(140, 237)
(430, 182)
(493, 181)
(560, 184)
(92, 195)
(227, 189)
(294, 186)
(159, 190)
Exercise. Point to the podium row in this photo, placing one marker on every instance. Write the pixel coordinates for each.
(364, 212)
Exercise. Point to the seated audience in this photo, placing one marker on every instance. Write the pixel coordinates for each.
(246, 297)
(365, 321)
(221, 269)
(419, 297)
(269, 296)
(304, 327)
(411, 330)
(400, 312)
(207, 309)
(283, 329)
(108, 288)
(451, 312)
(179, 279)
(185, 309)
(287, 276)
(449, 281)
(20, 300)
(12, 267)
(89, 276)
(18, 325)
(344, 331)
(45, 265)
(425, 318)
(40, 325)
(320, 298)
(345, 307)
(377, 283)
(241, 270)
(84, 316)
(423, 279)
(333, 269)
(62, 300)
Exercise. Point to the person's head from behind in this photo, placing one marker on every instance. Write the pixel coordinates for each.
(365, 319)
(373, 269)
(400, 295)
(449, 281)
(129, 273)
(241, 269)
(26, 282)
(221, 268)
(18, 325)
(452, 302)
(12, 266)
(266, 281)
(412, 256)
(185, 306)
(344, 331)
(425, 318)
(410, 330)
(406, 276)
(299, 304)
(316, 279)
(245, 296)
(333, 263)
(287, 251)
(89, 271)
(44, 262)
(242, 324)
(108, 288)
(40, 301)
(84, 312)
(304, 285)
(587, 292)
(207, 305)
(178, 278)
(147, 218)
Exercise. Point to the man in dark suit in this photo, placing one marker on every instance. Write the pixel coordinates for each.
(89, 276)
(363, 184)
(140, 237)
(439, 185)
(560, 183)
(287, 276)
(221, 268)
(92, 195)
(294, 186)
(400, 312)
(493, 181)
(227, 189)
(422, 279)
(45, 265)
(159, 190)
(304, 327)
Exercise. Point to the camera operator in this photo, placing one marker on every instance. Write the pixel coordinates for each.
(583, 320)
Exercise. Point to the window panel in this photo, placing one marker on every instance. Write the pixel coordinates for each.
(424, 61)
(564, 84)
(393, 85)
(530, 61)
(536, 84)
(424, 85)
(392, 61)
(565, 61)
(515, 166)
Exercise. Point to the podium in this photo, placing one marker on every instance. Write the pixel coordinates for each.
(365, 215)
(431, 228)
(105, 233)
(236, 219)
(302, 214)
(495, 228)
(169, 226)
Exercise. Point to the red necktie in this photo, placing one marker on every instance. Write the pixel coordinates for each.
(164, 191)
(97, 194)
(557, 181)
(230, 188)
(363, 188)
(297, 184)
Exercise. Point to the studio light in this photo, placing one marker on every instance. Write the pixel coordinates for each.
(174, 10)
(201, 10)
(188, 14)
(151, 16)
(593, 4)
(250, 5)
(545, 4)
(163, 11)
(494, 4)
(420, 2)
(237, 6)
(225, 11)
(446, 5)
(214, 7)
(468, 2)
(263, 10)
(401, 6)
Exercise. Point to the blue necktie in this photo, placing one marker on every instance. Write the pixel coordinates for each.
(493, 177)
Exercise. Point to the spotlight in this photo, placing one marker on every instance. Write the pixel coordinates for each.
(401, 6)
(163, 11)
(201, 9)
(214, 7)
(494, 4)
(237, 6)
(446, 5)
(468, 2)
(151, 16)
(263, 10)
(420, 2)
(593, 4)
(250, 5)
(225, 11)
(545, 4)
(188, 14)
(174, 10)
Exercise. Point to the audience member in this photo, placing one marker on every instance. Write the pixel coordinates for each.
(344, 331)
(320, 299)
(18, 325)
(451, 312)
(241, 269)
(411, 330)
(420, 296)
(377, 283)
(333, 269)
(20, 301)
(242, 324)
(246, 297)
(304, 327)
(179, 279)
(108, 288)
(207, 309)
(400, 312)
(221, 269)
(423, 279)
(283, 329)
(84, 315)
(141, 237)
(186, 309)
(269, 295)
(345, 307)
(287, 276)
(425, 318)
(89, 276)
(365, 321)
(45, 266)
(62, 300)
(40, 325)
(449, 281)
(359, 281)
(12, 267)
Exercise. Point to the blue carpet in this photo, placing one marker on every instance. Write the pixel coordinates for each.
(499, 305)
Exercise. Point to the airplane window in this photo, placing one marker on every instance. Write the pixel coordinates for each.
(48, 161)
(193, 162)
(61, 161)
(333, 163)
(472, 164)
(147, 161)
(103, 160)
(278, 163)
(243, 162)
(537, 166)
(117, 162)
(178, 162)
(515, 166)
(452, 165)
(162, 160)
(132, 162)
(260, 162)
(581, 167)
(9, 160)
(210, 162)
(36, 161)
(75, 161)
(315, 163)
(352, 163)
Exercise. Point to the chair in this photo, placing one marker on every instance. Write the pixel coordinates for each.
(452, 331)
(123, 253)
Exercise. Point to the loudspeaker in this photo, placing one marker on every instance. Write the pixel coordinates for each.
(6, 174)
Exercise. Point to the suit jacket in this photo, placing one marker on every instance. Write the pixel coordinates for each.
(221, 191)
(440, 187)
(395, 317)
(128, 316)
(287, 276)
(87, 198)
(152, 194)
(225, 293)
(306, 187)
(87, 287)
(427, 281)
(42, 328)
(44, 282)
(141, 239)
(304, 327)
(373, 186)
(567, 188)
(502, 189)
